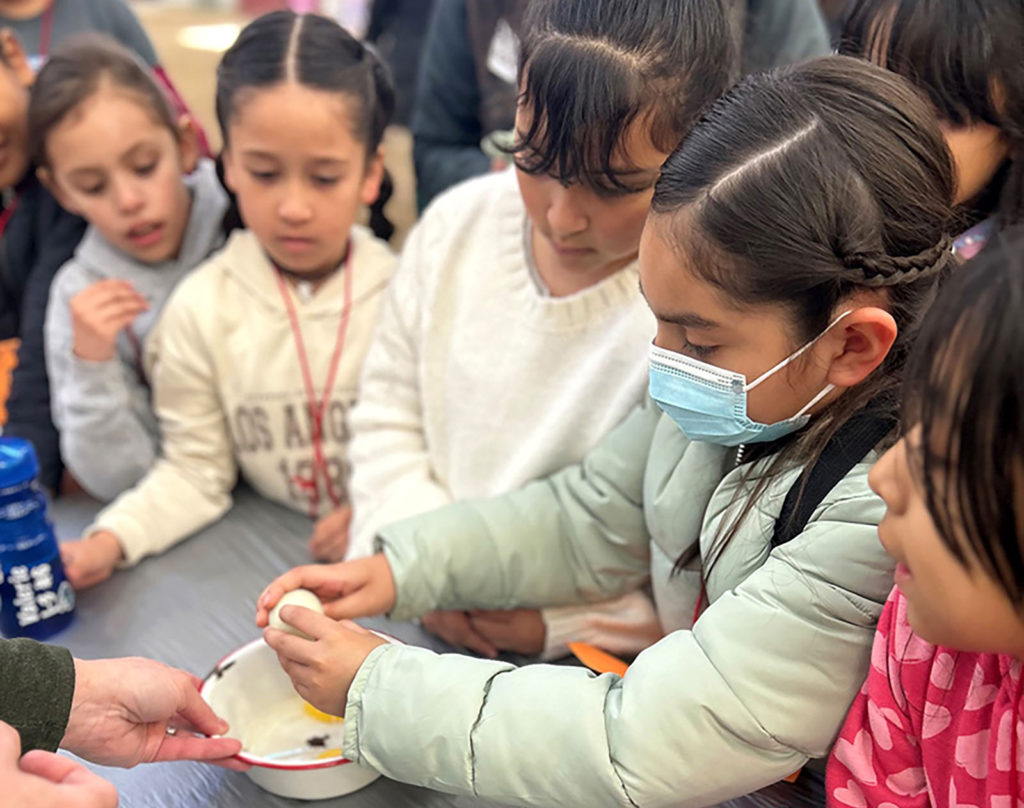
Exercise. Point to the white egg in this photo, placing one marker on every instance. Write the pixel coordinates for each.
(297, 597)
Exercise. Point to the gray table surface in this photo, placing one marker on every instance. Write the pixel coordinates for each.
(194, 604)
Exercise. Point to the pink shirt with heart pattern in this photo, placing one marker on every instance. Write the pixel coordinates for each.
(930, 727)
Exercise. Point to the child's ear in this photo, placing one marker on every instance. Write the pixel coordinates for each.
(861, 341)
(188, 143)
(374, 177)
(48, 181)
(14, 56)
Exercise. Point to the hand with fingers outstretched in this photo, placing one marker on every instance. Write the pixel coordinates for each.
(363, 588)
(45, 780)
(122, 710)
(322, 667)
(99, 313)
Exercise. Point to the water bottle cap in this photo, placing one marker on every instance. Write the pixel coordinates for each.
(18, 462)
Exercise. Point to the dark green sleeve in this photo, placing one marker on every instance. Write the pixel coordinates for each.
(38, 682)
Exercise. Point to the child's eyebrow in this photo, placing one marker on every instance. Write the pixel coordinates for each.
(684, 319)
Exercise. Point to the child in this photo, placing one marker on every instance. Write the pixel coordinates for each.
(514, 336)
(965, 56)
(796, 237)
(37, 237)
(258, 352)
(939, 720)
(108, 145)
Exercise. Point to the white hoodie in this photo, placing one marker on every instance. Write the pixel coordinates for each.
(229, 395)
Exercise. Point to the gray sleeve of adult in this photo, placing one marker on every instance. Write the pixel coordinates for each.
(446, 119)
(38, 685)
(129, 32)
(781, 32)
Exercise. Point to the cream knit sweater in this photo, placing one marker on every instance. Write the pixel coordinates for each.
(229, 396)
(478, 382)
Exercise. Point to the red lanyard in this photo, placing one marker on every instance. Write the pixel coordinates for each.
(700, 602)
(318, 409)
(8, 212)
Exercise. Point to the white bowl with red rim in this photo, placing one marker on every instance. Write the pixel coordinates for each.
(294, 751)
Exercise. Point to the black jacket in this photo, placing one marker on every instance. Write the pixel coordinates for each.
(40, 237)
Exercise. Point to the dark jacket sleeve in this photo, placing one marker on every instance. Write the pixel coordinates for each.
(446, 119)
(38, 684)
(46, 247)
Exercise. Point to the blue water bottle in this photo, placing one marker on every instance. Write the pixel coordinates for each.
(36, 599)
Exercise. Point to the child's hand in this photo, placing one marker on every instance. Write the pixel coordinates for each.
(487, 632)
(91, 560)
(99, 313)
(362, 588)
(456, 629)
(330, 535)
(521, 631)
(321, 670)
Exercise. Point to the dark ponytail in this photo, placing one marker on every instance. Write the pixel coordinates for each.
(315, 52)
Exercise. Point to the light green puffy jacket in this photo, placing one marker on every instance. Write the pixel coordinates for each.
(760, 685)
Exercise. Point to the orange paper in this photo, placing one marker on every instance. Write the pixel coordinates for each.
(596, 659)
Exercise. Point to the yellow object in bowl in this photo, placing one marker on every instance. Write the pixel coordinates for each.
(319, 715)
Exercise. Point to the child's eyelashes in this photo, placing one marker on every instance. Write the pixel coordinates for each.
(698, 351)
(146, 170)
(318, 180)
(266, 177)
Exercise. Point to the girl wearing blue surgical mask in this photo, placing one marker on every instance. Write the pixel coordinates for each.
(796, 238)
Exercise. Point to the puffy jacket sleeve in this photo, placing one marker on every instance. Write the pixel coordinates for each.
(103, 442)
(190, 485)
(760, 685)
(576, 537)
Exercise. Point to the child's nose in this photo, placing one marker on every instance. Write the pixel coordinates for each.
(127, 196)
(294, 207)
(566, 216)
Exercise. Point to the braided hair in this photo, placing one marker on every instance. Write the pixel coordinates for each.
(801, 188)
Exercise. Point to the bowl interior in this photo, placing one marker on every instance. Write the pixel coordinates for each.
(277, 728)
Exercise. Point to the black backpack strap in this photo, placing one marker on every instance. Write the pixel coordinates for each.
(848, 447)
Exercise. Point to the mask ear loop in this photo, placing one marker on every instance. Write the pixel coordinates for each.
(793, 357)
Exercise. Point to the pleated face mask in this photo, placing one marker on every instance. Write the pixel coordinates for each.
(710, 404)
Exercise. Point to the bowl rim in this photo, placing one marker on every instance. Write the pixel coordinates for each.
(263, 763)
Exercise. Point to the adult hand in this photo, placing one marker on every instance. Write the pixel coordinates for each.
(45, 780)
(99, 313)
(122, 709)
(330, 535)
(321, 669)
(455, 628)
(521, 631)
(362, 588)
(91, 560)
